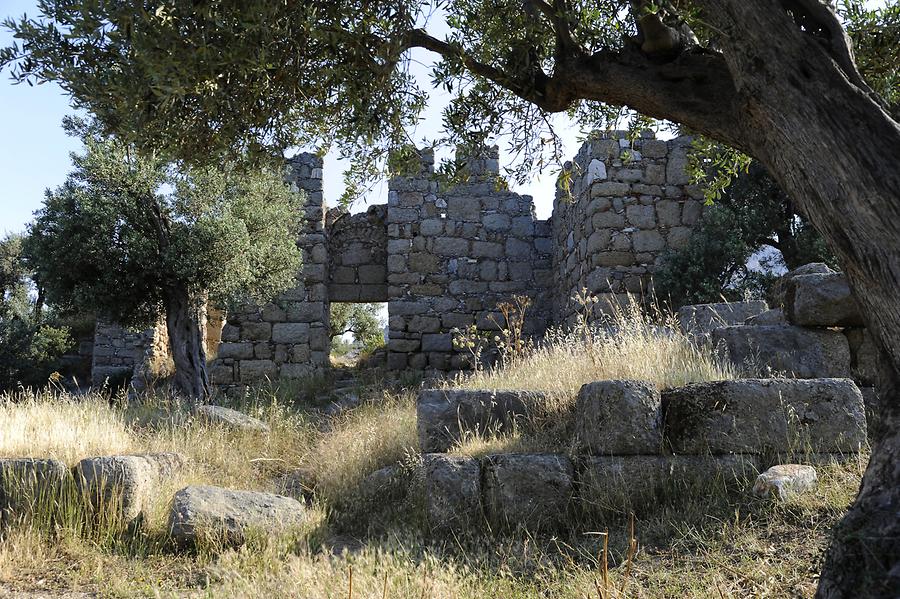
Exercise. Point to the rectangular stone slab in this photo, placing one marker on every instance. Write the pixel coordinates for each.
(27, 482)
(618, 418)
(786, 350)
(637, 482)
(227, 515)
(452, 491)
(528, 490)
(445, 416)
(765, 416)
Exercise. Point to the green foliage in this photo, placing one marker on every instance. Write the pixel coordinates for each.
(204, 81)
(30, 347)
(361, 320)
(751, 213)
(125, 230)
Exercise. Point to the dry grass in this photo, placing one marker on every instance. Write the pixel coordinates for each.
(700, 544)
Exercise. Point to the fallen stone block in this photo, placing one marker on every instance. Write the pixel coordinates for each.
(229, 418)
(785, 350)
(618, 418)
(452, 491)
(786, 480)
(639, 482)
(125, 485)
(445, 416)
(765, 416)
(821, 300)
(703, 319)
(225, 516)
(528, 490)
(26, 483)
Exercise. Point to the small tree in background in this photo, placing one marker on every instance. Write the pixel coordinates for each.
(752, 212)
(138, 238)
(30, 342)
(362, 320)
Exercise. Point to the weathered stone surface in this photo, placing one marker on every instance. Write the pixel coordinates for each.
(638, 481)
(821, 300)
(785, 480)
(702, 319)
(444, 416)
(786, 350)
(452, 491)
(867, 364)
(529, 490)
(765, 415)
(768, 318)
(229, 418)
(26, 482)
(228, 516)
(126, 484)
(778, 290)
(618, 417)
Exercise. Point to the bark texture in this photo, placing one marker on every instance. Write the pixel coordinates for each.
(184, 324)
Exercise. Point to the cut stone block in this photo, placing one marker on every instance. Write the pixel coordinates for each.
(703, 319)
(786, 350)
(229, 418)
(778, 291)
(27, 482)
(821, 300)
(786, 480)
(765, 415)
(125, 483)
(452, 491)
(618, 418)
(867, 364)
(227, 516)
(768, 318)
(640, 481)
(445, 416)
(529, 490)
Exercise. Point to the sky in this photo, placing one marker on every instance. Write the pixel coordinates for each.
(34, 150)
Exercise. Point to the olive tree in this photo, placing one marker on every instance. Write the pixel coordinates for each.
(775, 79)
(136, 238)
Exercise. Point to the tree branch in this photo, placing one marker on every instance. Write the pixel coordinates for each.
(566, 46)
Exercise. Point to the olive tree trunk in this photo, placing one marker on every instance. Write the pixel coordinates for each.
(184, 323)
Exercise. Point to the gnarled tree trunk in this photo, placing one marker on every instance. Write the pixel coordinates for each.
(184, 325)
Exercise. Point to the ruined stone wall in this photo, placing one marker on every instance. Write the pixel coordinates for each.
(630, 203)
(287, 338)
(118, 352)
(453, 256)
(357, 255)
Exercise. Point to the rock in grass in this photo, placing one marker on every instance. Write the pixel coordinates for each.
(125, 484)
(618, 418)
(528, 490)
(765, 415)
(445, 416)
(785, 480)
(27, 482)
(231, 419)
(226, 516)
(452, 491)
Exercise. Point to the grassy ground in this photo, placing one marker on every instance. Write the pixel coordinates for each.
(364, 544)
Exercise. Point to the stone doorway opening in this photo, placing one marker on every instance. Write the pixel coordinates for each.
(358, 333)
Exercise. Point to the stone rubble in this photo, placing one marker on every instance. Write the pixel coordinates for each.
(786, 480)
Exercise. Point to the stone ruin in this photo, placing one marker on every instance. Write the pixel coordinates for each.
(445, 258)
